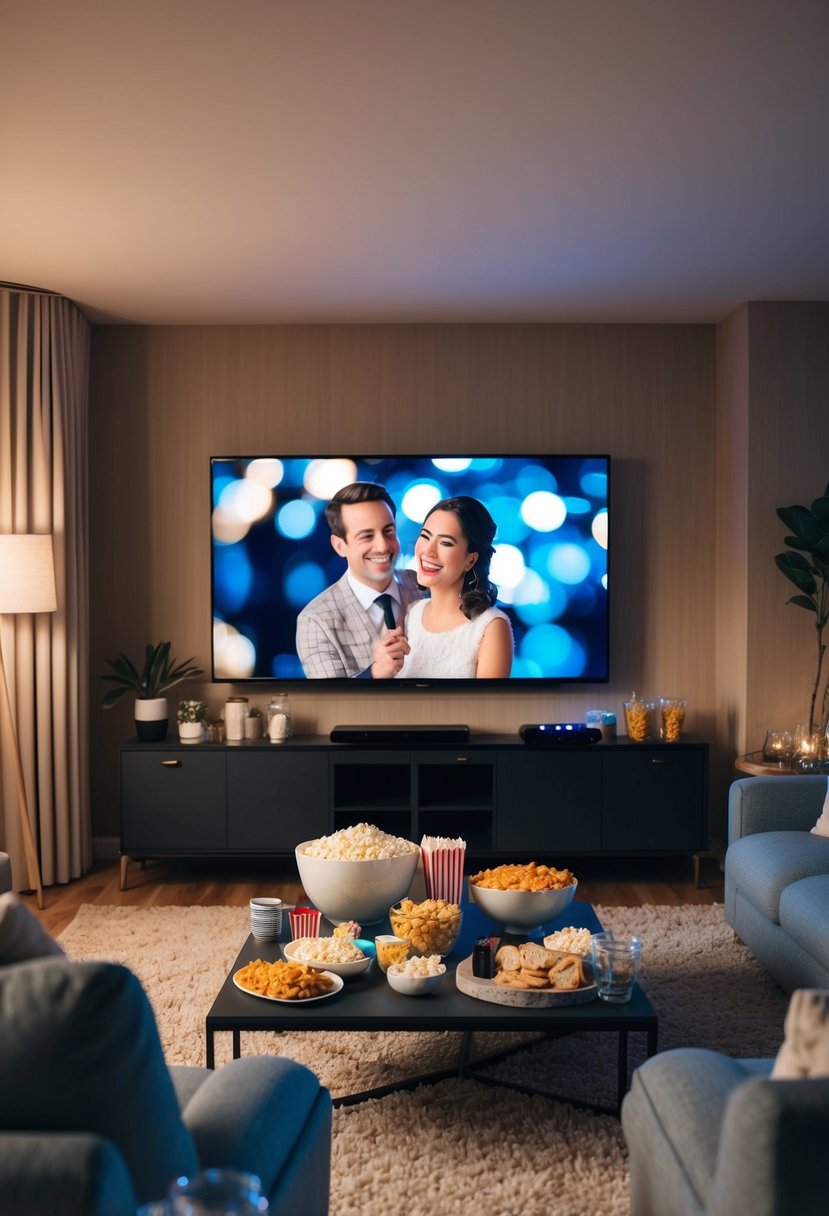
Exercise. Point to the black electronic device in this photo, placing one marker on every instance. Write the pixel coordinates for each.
(400, 736)
(553, 734)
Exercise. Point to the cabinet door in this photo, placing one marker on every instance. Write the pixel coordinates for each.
(549, 802)
(172, 801)
(655, 799)
(276, 799)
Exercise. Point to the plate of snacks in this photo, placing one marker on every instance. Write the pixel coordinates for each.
(287, 982)
(340, 955)
(531, 975)
(522, 897)
(432, 926)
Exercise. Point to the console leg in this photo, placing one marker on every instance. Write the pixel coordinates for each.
(125, 861)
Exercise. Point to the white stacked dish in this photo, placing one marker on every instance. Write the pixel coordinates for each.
(265, 918)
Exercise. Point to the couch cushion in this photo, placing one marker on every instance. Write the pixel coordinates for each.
(804, 914)
(79, 1051)
(21, 934)
(763, 865)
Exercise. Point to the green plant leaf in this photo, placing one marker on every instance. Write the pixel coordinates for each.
(803, 601)
(820, 510)
(801, 522)
(798, 571)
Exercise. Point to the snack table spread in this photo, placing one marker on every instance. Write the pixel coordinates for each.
(367, 1002)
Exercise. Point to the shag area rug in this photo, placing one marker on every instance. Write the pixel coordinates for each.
(460, 1145)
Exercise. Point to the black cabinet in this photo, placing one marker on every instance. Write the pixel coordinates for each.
(506, 799)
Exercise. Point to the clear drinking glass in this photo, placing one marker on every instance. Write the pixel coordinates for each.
(615, 964)
(218, 1193)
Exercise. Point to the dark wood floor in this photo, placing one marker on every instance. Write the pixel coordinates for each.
(628, 882)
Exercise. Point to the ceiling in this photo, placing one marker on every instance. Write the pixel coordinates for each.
(263, 161)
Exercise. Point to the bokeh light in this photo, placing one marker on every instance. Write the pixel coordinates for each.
(543, 511)
(323, 478)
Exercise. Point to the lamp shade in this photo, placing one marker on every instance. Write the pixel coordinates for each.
(27, 574)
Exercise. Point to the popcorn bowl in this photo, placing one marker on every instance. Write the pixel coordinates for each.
(414, 985)
(355, 890)
(522, 911)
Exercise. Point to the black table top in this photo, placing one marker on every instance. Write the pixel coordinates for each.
(368, 1002)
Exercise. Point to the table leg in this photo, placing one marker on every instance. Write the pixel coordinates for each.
(652, 1041)
(208, 1049)
(237, 1044)
(466, 1051)
(622, 1070)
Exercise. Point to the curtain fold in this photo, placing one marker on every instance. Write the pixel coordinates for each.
(44, 392)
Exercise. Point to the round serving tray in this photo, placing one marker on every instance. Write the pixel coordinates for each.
(519, 998)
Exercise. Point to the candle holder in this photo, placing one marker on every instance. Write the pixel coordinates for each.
(808, 754)
(779, 747)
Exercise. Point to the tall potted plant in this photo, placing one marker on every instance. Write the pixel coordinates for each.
(158, 674)
(806, 564)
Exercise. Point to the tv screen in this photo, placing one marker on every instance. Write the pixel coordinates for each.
(272, 554)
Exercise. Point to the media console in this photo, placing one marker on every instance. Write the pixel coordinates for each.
(507, 800)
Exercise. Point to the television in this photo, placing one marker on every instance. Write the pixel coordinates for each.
(271, 553)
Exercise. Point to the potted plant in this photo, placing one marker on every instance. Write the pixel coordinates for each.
(158, 674)
(192, 719)
(808, 568)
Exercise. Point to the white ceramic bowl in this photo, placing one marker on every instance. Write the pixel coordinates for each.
(414, 985)
(355, 890)
(522, 911)
(346, 970)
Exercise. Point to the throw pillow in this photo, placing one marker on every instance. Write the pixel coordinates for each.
(80, 1052)
(821, 828)
(21, 934)
(805, 1050)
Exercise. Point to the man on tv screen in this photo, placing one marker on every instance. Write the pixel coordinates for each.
(355, 626)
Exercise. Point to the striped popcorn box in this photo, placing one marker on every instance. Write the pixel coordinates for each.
(305, 922)
(443, 862)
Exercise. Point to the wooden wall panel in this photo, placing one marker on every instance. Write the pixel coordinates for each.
(165, 399)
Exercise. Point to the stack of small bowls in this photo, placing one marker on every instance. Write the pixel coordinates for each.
(266, 918)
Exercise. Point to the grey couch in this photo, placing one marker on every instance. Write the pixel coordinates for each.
(712, 1136)
(93, 1123)
(777, 877)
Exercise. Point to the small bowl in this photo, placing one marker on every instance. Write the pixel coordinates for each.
(414, 985)
(522, 911)
(345, 970)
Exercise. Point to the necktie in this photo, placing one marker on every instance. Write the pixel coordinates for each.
(384, 601)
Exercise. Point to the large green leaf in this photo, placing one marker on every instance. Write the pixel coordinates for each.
(159, 672)
(798, 571)
(802, 523)
(803, 601)
(820, 510)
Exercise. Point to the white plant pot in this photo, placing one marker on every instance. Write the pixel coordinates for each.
(191, 732)
(151, 720)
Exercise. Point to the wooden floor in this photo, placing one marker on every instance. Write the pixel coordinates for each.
(618, 882)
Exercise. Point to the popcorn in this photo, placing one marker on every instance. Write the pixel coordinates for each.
(419, 965)
(569, 941)
(326, 950)
(362, 842)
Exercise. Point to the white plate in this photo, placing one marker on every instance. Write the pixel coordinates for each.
(283, 1000)
(344, 969)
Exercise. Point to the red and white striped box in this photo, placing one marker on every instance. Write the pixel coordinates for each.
(443, 862)
(305, 922)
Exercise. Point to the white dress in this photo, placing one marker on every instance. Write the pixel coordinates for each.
(446, 656)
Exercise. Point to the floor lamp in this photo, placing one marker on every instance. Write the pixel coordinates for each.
(27, 584)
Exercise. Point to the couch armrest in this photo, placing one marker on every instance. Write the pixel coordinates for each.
(254, 1112)
(74, 1173)
(774, 804)
(769, 1162)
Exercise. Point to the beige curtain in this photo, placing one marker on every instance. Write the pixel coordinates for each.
(44, 390)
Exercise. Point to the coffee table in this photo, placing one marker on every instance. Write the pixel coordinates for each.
(369, 1003)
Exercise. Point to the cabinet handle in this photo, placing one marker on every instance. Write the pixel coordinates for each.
(655, 761)
(461, 759)
(171, 763)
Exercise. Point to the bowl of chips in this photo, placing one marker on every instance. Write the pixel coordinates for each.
(336, 954)
(432, 926)
(522, 898)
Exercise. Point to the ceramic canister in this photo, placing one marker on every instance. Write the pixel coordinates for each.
(236, 710)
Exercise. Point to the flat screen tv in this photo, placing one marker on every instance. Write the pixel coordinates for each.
(271, 553)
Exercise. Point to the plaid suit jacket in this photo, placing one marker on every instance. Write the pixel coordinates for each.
(334, 636)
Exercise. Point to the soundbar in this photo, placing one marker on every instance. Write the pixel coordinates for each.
(552, 734)
(399, 736)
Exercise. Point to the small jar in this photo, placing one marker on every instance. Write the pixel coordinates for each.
(604, 721)
(671, 718)
(236, 709)
(253, 724)
(280, 726)
(639, 719)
